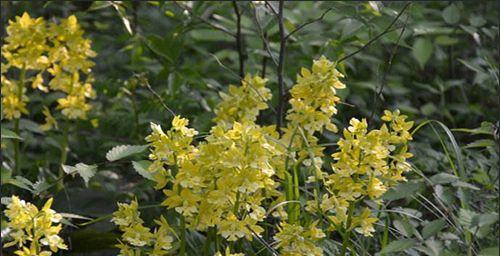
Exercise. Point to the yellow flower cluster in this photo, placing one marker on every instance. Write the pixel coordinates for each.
(295, 240)
(57, 52)
(170, 148)
(313, 100)
(225, 182)
(137, 237)
(366, 165)
(33, 229)
(240, 169)
(243, 103)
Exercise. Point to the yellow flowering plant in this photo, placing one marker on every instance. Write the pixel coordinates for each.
(35, 232)
(242, 174)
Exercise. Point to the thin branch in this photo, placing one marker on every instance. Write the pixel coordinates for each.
(281, 65)
(145, 82)
(213, 25)
(225, 67)
(263, 36)
(270, 6)
(264, 58)
(387, 71)
(378, 36)
(308, 23)
(239, 47)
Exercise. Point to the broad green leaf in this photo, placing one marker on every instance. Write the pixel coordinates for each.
(451, 14)
(398, 245)
(8, 134)
(492, 251)
(422, 51)
(123, 151)
(41, 186)
(403, 190)
(446, 40)
(141, 167)
(433, 228)
(443, 178)
(22, 182)
(85, 171)
(472, 66)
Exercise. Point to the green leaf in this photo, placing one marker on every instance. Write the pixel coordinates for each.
(443, 178)
(451, 14)
(85, 171)
(141, 167)
(422, 51)
(22, 182)
(481, 144)
(74, 216)
(8, 134)
(123, 151)
(485, 128)
(5, 176)
(398, 245)
(472, 66)
(492, 251)
(433, 228)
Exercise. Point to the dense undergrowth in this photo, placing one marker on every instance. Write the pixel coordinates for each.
(249, 128)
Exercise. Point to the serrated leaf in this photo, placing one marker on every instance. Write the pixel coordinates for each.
(22, 182)
(433, 228)
(451, 14)
(5, 200)
(141, 167)
(422, 51)
(8, 134)
(85, 171)
(123, 151)
(398, 245)
(41, 186)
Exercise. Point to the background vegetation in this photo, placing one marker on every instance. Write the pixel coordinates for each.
(433, 60)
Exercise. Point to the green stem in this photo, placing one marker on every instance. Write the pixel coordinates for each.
(296, 195)
(64, 155)
(182, 250)
(347, 236)
(17, 146)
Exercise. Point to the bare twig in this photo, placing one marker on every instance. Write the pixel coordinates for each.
(264, 58)
(271, 7)
(308, 23)
(281, 65)
(145, 82)
(378, 36)
(378, 94)
(239, 46)
(208, 22)
(225, 67)
(263, 36)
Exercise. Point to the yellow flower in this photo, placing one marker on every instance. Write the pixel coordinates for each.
(375, 188)
(50, 121)
(127, 214)
(228, 253)
(365, 223)
(295, 240)
(243, 103)
(30, 225)
(33, 44)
